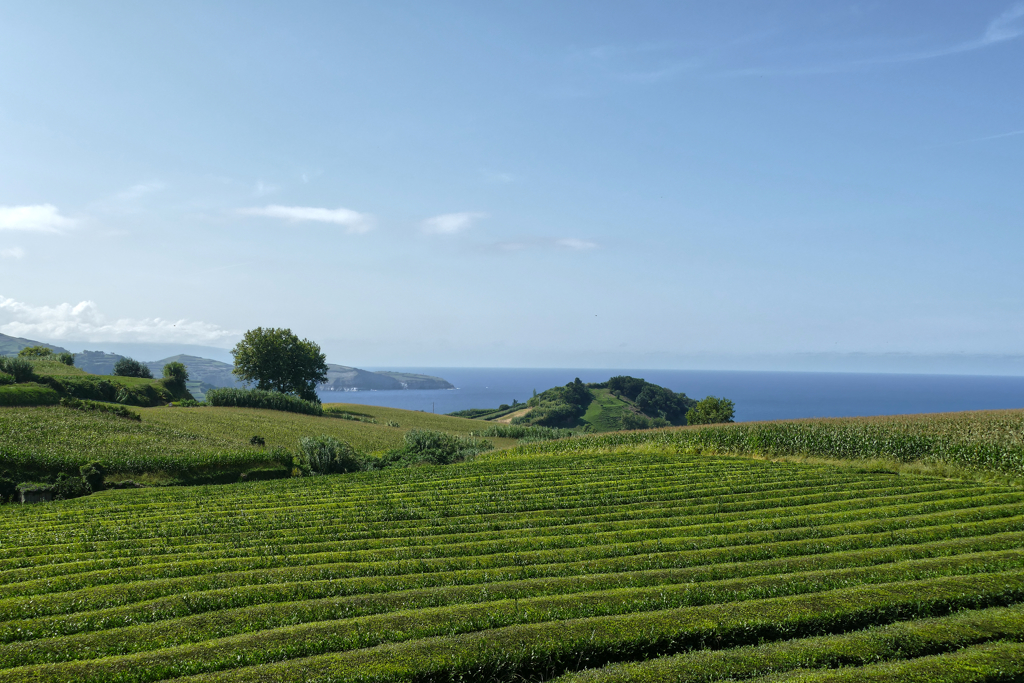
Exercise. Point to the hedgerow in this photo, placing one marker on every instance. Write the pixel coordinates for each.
(258, 398)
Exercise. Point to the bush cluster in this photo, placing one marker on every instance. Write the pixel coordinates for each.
(19, 368)
(66, 357)
(129, 367)
(258, 398)
(35, 352)
(328, 455)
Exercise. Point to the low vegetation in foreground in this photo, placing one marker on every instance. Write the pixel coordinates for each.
(573, 558)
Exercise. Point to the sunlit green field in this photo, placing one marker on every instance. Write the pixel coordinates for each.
(172, 440)
(651, 566)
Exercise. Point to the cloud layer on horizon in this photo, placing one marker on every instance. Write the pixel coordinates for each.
(83, 321)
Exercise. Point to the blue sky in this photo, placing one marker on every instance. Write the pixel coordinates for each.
(643, 184)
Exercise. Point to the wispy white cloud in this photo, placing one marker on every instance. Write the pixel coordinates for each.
(354, 221)
(12, 252)
(139, 190)
(34, 217)
(1012, 133)
(84, 322)
(1006, 27)
(576, 244)
(451, 223)
(542, 243)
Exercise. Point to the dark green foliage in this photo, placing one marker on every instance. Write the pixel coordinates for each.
(632, 420)
(191, 403)
(471, 412)
(92, 474)
(110, 409)
(6, 379)
(20, 368)
(66, 357)
(711, 410)
(257, 441)
(258, 398)
(327, 455)
(175, 373)
(627, 386)
(28, 394)
(436, 448)
(143, 395)
(8, 487)
(277, 360)
(68, 486)
(559, 406)
(129, 367)
(653, 400)
(657, 402)
(35, 352)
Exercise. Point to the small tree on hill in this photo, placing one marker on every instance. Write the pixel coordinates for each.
(277, 360)
(176, 373)
(129, 367)
(711, 411)
(67, 358)
(35, 352)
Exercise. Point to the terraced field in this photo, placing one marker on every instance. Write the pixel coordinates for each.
(594, 566)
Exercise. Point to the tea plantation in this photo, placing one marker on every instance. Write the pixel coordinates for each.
(572, 560)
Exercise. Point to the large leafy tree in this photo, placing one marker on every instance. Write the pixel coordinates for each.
(277, 360)
(711, 410)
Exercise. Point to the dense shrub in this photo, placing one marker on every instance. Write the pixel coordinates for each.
(129, 367)
(66, 358)
(68, 486)
(327, 455)
(6, 379)
(20, 368)
(437, 448)
(257, 441)
(257, 398)
(8, 487)
(631, 420)
(711, 411)
(35, 352)
(92, 474)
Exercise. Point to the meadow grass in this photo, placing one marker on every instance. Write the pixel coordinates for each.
(175, 442)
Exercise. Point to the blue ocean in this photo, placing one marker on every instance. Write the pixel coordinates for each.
(758, 395)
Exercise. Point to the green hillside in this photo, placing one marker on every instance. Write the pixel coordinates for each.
(10, 346)
(622, 402)
(173, 444)
(631, 563)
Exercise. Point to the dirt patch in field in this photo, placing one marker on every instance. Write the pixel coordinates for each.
(508, 418)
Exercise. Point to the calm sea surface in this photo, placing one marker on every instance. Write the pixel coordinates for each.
(758, 395)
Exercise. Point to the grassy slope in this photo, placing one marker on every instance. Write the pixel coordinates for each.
(173, 439)
(605, 412)
(519, 569)
(235, 426)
